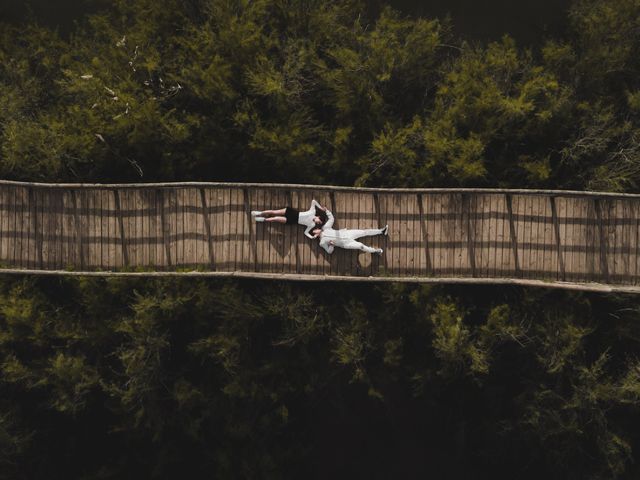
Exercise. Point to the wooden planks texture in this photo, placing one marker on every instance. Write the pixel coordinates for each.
(549, 236)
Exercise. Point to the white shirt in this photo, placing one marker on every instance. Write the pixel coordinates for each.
(329, 234)
(306, 218)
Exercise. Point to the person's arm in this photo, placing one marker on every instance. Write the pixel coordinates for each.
(315, 204)
(330, 220)
(308, 229)
(327, 246)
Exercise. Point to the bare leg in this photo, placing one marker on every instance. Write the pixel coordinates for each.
(276, 219)
(269, 213)
(355, 245)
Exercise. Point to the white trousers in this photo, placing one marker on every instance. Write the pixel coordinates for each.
(348, 240)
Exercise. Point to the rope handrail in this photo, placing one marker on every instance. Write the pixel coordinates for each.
(330, 188)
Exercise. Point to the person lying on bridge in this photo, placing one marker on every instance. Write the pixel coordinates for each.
(346, 238)
(315, 217)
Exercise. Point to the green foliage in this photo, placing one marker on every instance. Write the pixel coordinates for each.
(561, 342)
(70, 380)
(216, 370)
(453, 344)
(559, 419)
(304, 319)
(295, 90)
(352, 341)
(13, 442)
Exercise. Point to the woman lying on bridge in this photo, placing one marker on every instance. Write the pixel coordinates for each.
(315, 217)
(346, 238)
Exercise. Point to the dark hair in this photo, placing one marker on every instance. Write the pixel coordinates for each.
(322, 215)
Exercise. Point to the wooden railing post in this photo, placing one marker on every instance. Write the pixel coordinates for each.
(604, 267)
(33, 204)
(376, 204)
(123, 243)
(251, 223)
(295, 242)
(512, 234)
(163, 227)
(466, 208)
(207, 227)
(556, 229)
(425, 234)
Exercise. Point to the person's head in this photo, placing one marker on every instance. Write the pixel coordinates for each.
(316, 231)
(321, 217)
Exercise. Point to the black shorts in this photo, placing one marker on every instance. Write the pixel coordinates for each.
(291, 214)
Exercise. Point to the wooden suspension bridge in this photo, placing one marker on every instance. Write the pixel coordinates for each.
(565, 239)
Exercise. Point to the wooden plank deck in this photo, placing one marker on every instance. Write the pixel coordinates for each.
(468, 235)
